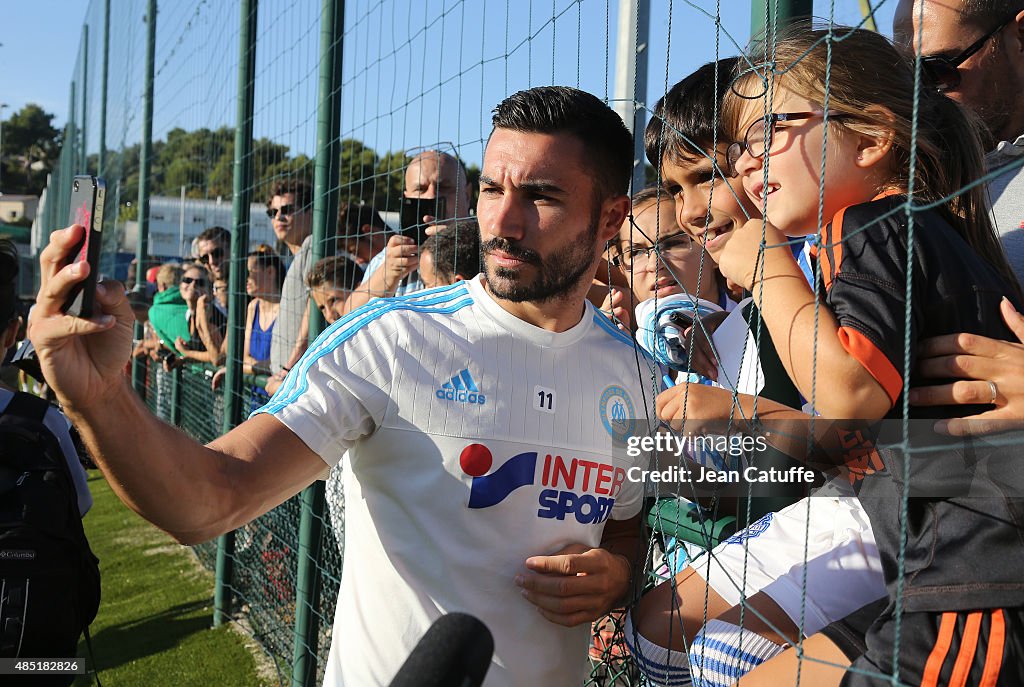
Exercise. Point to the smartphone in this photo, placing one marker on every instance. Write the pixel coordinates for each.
(87, 197)
(413, 210)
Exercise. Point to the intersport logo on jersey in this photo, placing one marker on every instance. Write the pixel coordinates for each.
(584, 489)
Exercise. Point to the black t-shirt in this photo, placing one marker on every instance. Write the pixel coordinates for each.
(965, 518)
(218, 322)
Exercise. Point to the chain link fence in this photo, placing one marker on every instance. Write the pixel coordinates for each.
(192, 111)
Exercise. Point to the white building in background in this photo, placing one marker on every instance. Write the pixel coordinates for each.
(14, 207)
(174, 222)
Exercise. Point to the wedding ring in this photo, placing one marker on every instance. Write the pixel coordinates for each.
(994, 390)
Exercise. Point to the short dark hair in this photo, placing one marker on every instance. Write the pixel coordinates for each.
(352, 217)
(266, 256)
(985, 13)
(298, 187)
(8, 281)
(561, 109)
(335, 272)
(455, 250)
(216, 234)
(683, 123)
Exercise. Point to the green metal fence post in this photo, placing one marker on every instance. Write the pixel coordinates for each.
(145, 170)
(325, 219)
(242, 192)
(776, 14)
(177, 382)
(108, 237)
(101, 162)
(71, 145)
(68, 153)
(85, 99)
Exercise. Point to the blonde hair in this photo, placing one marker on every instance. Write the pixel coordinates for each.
(871, 85)
(169, 275)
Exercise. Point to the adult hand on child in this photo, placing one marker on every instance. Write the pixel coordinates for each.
(990, 372)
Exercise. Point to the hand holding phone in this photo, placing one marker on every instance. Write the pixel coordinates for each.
(413, 212)
(87, 199)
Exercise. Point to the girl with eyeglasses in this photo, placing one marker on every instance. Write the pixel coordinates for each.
(954, 563)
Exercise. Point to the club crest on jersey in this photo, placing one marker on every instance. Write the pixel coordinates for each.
(462, 389)
(565, 479)
(616, 410)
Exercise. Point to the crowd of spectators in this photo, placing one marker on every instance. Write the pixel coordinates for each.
(183, 304)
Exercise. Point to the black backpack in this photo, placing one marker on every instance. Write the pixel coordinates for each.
(50, 578)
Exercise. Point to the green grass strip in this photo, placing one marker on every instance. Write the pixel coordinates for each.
(154, 626)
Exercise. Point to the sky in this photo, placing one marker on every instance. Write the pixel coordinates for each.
(395, 55)
(37, 53)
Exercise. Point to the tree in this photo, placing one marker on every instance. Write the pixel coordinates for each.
(356, 171)
(30, 147)
(390, 174)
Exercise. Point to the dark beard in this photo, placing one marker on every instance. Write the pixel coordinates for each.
(557, 275)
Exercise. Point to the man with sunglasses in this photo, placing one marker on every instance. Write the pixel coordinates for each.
(213, 249)
(973, 51)
(290, 209)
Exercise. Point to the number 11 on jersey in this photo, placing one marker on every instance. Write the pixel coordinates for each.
(544, 399)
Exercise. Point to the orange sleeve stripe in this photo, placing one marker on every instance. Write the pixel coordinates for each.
(933, 668)
(994, 655)
(873, 360)
(833, 247)
(968, 646)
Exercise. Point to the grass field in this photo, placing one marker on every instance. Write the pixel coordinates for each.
(155, 617)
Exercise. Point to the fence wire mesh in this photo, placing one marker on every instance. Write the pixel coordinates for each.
(413, 77)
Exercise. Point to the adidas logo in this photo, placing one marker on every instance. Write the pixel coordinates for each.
(461, 388)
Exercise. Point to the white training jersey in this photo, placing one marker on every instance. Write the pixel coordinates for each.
(475, 441)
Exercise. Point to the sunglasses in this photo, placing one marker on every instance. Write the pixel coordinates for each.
(215, 254)
(198, 281)
(943, 72)
(289, 210)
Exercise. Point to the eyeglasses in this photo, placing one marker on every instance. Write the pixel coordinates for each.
(943, 72)
(758, 138)
(215, 254)
(675, 245)
(289, 210)
(198, 281)
(220, 287)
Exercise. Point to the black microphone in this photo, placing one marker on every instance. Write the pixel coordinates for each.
(455, 652)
